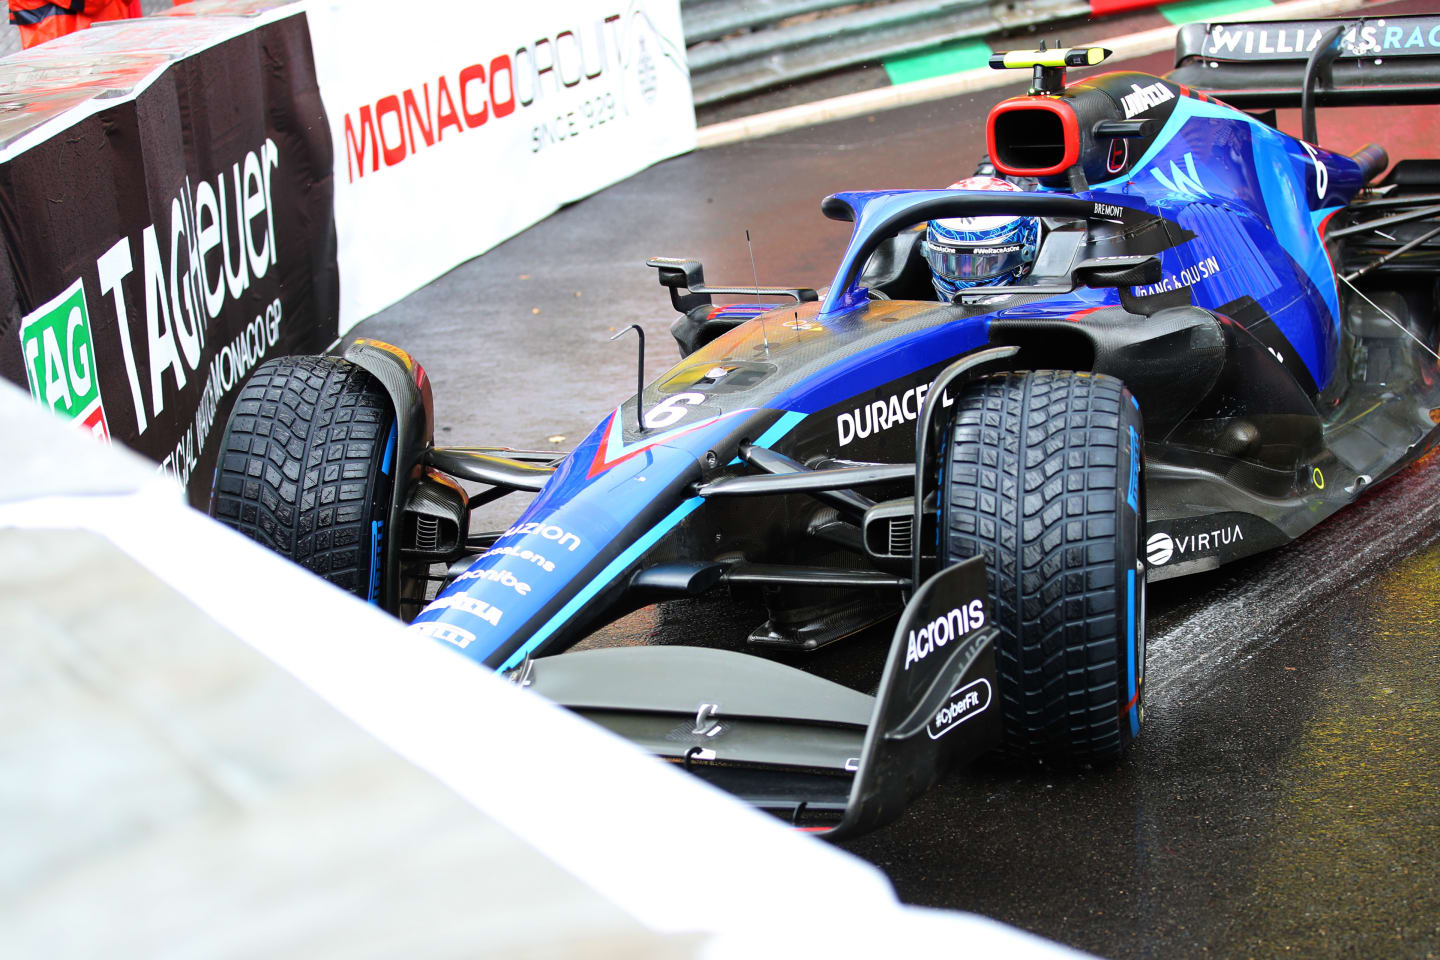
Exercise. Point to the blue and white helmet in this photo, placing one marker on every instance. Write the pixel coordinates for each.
(966, 252)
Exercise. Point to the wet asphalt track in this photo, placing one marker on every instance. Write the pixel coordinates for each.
(1285, 797)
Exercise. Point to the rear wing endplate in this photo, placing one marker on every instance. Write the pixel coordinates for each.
(1262, 64)
(825, 757)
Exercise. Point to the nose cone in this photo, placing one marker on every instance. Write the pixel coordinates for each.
(561, 566)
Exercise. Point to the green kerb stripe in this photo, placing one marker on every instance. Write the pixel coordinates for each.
(1194, 11)
(951, 58)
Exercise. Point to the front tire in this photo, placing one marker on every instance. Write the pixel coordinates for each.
(307, 465)
(1043, 479)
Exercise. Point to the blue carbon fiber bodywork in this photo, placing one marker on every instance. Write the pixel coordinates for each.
(1255, 199)
(885, 363)
(568, 536)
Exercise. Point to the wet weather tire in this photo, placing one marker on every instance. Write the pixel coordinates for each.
(306, 465)
(1043, 478)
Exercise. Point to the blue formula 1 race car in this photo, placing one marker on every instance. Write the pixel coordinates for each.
(1222, 336)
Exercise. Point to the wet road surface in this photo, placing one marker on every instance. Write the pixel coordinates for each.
(1284, 799)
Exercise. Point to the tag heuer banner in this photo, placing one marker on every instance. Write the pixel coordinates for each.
(185, 196)
(160, 247)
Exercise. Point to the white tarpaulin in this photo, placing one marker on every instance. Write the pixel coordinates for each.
(458, 124)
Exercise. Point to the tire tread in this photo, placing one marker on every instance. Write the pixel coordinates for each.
(295, 467)
(1033, 479)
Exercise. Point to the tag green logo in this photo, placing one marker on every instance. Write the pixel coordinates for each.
(60, 360)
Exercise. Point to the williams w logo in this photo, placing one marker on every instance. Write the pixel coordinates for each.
(1185, 182)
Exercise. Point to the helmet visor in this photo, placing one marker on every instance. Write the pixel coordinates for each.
(980, 262)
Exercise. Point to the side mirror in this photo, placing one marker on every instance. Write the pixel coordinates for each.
(685, 279)
(1124, 273)
(678, 273)
(1104, 272)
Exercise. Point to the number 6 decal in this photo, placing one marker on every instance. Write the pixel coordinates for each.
(669, 410)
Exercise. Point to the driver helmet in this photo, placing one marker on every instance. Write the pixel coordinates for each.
(966, 252)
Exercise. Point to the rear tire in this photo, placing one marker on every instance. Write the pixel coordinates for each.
(1044, 479)
(306, 467)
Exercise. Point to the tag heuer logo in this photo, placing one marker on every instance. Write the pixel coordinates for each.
(645, 64)
(60, 360)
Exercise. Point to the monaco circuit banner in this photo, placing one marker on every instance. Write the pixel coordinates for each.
(491, 118)
(163, 240)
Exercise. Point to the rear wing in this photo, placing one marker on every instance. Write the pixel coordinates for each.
(1354, 61)
(826, 758)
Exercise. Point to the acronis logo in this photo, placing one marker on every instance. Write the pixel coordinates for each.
(1186, 181)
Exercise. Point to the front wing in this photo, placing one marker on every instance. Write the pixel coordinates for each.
(823, 756)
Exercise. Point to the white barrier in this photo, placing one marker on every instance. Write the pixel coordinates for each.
(446, 147)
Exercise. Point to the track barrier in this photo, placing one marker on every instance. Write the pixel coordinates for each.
(186, 195)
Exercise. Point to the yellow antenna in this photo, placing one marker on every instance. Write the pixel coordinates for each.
(1049, 65)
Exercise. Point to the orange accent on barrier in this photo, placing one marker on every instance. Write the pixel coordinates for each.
(62, 21)
(1105, 8)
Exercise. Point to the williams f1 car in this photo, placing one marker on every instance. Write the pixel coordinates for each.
(1227, 335)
